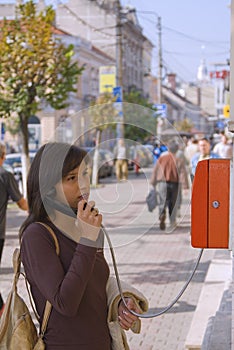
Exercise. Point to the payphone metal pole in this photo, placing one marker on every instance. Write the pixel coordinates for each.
(231, 121)
(231, 129)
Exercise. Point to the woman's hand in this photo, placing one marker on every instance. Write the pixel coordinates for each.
(88, 220)
(126, 318)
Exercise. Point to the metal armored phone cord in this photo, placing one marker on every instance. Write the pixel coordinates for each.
(147, 315)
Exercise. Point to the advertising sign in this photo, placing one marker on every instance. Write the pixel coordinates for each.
(107, 79)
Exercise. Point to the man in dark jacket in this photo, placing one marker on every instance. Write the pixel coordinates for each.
(169, 174)
(8, 189)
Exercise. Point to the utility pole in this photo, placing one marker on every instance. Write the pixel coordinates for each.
(119, 69)
(160, 65)
(159, 54)
(119, 45)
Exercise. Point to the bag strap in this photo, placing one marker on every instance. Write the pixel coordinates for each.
(52, 234)
(46, 316)
(48, 306)
(16, 265)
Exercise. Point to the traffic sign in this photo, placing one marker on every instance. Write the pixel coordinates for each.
(220, 125)
(161, 110)
(226, 111)
(3, 130)
(117, 92)
(118, 105)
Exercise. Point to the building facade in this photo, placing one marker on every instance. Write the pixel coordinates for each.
(113, 30)
(91, 26)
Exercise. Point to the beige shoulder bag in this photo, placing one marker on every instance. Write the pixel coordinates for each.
(17, 329)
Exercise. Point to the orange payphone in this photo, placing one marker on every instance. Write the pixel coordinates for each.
(210, 204)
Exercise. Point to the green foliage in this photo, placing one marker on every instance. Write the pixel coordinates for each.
(35, 66)
(13, 125)
(102, 112)
(139, 122)
(184, 125)
(138, 117)
(135, 96)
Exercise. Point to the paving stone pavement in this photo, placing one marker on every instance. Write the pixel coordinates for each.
(218, 332)
(156, 262)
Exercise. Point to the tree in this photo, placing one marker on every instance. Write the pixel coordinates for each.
(138, 117)
(103, 116)
(184, 125)
(36, 68)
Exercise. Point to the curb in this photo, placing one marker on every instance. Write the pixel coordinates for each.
(217, 282)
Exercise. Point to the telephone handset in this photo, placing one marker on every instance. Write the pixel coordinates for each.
(63, 208)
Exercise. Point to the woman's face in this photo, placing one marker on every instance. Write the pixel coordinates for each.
(74, 186)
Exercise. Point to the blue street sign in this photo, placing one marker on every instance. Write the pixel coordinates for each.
(117, 92)
(220, 125)
(161, 110)
(2, 131)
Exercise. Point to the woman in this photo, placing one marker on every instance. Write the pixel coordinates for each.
(75, 281)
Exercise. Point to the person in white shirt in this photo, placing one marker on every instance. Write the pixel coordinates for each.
(121, 161)
(191, 149)
(223, 148)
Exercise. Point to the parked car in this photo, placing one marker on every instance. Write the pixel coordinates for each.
(105, 161)
(149, 153)
(142, 155)
(14, 160)
(8, 168)
(108, 159)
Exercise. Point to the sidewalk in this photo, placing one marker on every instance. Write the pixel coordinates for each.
(157, 262)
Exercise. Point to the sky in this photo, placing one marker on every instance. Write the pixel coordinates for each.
(191, 30)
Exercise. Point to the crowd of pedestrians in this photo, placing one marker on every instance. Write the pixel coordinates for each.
(175, 165)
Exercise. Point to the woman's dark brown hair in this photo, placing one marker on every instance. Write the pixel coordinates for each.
(52, 162)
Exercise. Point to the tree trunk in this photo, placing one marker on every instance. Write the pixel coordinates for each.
(95, 159)
(25, 152)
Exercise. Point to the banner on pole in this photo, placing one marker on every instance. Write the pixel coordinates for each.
(107, 79)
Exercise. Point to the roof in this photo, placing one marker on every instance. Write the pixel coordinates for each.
(55, 30)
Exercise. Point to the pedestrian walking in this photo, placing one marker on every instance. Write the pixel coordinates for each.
(8, 189)
(204, 153)
(191, 148)
(121, 156)
(76, 282)
(181, 154)
(159, 148)
(136, 160)
(169, 174)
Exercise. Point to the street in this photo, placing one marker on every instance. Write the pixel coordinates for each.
(156, 262)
